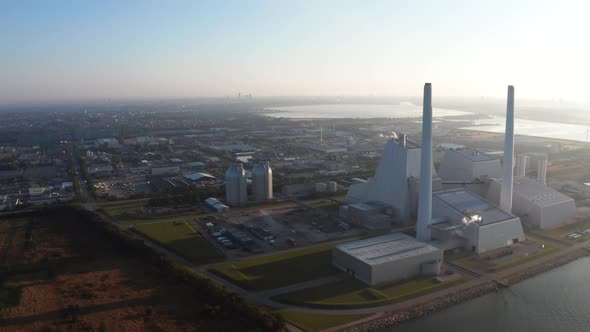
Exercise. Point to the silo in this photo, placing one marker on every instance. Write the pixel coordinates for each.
(262, 181)
(332, 187)
(521, 164)
(236, 185)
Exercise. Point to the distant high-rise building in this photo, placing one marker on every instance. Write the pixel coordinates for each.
(262, 181)
(236, 186)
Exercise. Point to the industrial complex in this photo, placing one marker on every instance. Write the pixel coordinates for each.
(471, 202)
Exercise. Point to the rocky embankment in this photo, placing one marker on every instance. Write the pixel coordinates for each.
(440, 303)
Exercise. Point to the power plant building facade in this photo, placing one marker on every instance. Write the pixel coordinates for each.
(536, 204)
(391, 185)
(463, 219)
(387, 258)
(468, 165)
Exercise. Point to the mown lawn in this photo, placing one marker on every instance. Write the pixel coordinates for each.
(116, 209)
(180, 237)
(548, 249)
(317, 322)
(283, 269)
(351, 293)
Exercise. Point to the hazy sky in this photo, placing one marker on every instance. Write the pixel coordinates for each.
(60, 49)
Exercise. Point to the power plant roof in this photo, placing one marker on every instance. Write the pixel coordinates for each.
(386, 248)
(464, 201)
(474, 155)
(537, 193)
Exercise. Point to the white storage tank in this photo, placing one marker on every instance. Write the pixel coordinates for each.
(262, 181)
(332, 187)
(320, 187)
(236, 185)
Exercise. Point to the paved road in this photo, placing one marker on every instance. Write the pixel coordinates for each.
(85, 196)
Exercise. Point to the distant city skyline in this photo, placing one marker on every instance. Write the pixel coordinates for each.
(67, 50)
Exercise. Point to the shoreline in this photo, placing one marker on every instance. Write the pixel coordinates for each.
(421, 310)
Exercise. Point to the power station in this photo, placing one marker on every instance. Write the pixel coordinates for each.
(472, 202)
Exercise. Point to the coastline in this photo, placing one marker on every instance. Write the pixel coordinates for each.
(421, 310)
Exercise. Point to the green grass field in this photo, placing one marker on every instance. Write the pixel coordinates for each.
(549, 248)
(180, 237)
(351, 293)
(117, 209)
(283, 269)
(317, 322)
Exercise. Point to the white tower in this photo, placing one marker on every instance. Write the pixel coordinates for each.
(262, 181)
(236, 185)
(507, 182)
(425, 193)
(521, 161)
(542, 171)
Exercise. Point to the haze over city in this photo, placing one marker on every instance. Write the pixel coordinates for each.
(70, 50)
(289, 166)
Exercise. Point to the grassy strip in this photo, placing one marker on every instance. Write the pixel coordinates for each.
(283, 269)
(317, 322)
(351, 294)
(182, 239)
(549, 248)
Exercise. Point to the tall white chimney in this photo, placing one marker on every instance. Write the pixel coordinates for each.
(425, 194)
(542, 171)
(507, 181)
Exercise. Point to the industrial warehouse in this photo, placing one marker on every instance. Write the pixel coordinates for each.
(387, 258)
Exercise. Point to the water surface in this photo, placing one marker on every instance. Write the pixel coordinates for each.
(555, 301)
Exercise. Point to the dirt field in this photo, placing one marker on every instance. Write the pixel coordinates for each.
(59, 277)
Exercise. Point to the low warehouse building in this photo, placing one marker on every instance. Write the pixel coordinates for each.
(387, 258)
(536, 204)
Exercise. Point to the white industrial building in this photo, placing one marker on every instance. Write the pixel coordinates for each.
(216, 205)
(536, 204)
(468, 165)
(391, 185)
(387, 258)
(463, 219)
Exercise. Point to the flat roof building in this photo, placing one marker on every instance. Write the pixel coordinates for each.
(387, 258)
(536, 204)
(463, 219)
(468, 165)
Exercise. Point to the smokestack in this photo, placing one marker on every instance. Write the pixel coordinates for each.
(507, 182)
(425, 194)
(321, 133)
(521, 161)
(542, 171)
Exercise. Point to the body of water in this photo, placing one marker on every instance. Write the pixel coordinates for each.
(555, 301)
(534, 128)
(360, 111)
(408, 110)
